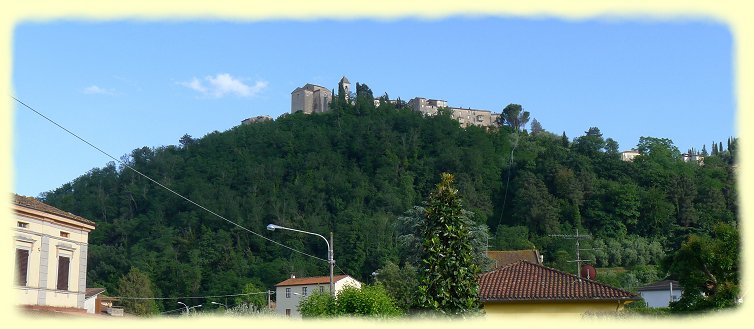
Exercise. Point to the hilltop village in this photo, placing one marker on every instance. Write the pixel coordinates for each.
(312, 98)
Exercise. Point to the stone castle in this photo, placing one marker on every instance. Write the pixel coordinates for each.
(313, 98)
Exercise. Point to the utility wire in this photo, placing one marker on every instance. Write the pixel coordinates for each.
(163, 186)
(191, 297)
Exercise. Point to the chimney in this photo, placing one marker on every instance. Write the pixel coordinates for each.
(293, 276)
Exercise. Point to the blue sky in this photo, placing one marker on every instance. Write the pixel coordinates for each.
(127, 84)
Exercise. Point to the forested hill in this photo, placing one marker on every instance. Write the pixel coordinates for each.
(354, 170)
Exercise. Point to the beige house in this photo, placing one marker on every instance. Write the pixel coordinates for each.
(289, 293)
(466, 117)
(629, 155)
(50, 254)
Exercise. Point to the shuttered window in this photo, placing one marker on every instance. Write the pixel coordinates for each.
(63, 268)
(22, 266)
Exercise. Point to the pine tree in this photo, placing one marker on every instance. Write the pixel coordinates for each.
(447, 279)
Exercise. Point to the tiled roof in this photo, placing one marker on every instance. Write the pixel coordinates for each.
(32, 203)
(93, 292)
(507, 257)
(661, 285)
(311, 280)
(526, 282)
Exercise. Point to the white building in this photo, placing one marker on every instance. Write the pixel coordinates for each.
(661, 293)
(629, 155)
(290, 292)
(51, 252)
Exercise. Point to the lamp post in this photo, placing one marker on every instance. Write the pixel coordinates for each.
(330, 256)
(216, 303)
(193, 307)
(186, 306)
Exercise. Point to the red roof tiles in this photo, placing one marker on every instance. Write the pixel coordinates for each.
(310, 280)
(526, 282)
(32, 203)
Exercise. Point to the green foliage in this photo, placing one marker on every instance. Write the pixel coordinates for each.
(318, 305)
(401, 284)
(137, 284)
(367, 301)
(511, 238)
(447, 277)
(707, 267)
(255, 296)
(355, 170)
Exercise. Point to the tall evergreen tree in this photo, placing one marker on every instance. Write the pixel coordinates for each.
(447, 279)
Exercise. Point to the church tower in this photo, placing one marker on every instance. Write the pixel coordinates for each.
(345, 86)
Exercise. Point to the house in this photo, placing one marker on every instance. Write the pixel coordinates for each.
(290, 292)
(661, 293)
(50, 255)
(310, 99)
(503, 258)
(629, 155)
(526, 289)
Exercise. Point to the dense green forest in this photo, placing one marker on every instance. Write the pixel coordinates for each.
(356, 170)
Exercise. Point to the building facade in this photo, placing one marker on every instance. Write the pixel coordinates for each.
(289, 293)
(50, 254)
(310, 99)
(629, 155)
(466, 117)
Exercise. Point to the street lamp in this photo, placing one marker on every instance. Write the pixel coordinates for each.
(330, 256)
(216, 303)
(193, 307)
(186, 306)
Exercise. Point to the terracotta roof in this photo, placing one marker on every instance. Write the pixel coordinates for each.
(661, 285)
(507, 257)
(526, 282)
(93, 292)
(311, 280)
(32, 203)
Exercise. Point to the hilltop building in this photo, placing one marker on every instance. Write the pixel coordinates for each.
(256, 119)
(310, 99)
(693, 157)
(465, 117)
(313, 98)
(51, 248)
(629, 155)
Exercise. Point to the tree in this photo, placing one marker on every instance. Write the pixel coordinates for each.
(707, 268)
(134, 286)
(369, 301)
(253, 296)
(400, 283)
(447, 278)
(536, 127)
(515, 117)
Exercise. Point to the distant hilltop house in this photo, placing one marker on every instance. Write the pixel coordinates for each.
(313, 98)
(629, 155)
(693, 157)
(51, 247)
(256, 119)
(289, 293)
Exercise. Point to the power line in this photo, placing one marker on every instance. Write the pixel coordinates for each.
(163, 186)
(191, 297)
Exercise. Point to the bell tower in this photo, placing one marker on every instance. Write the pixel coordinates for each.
(345, 86)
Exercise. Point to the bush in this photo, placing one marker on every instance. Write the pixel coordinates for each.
(372, 301)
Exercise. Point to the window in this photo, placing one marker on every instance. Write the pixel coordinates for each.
(65, 234)
(22, 266)
(287, 292)
(321, 288)
(23, 225)
(63, 268)
(287, 312)
(303, 291)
